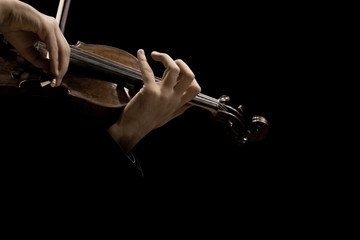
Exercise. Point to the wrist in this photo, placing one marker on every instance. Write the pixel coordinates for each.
(126, 133)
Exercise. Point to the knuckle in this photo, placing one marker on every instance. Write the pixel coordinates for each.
(179, 61)
(190, 74)
(52, 21)
(195, 88)
(186, 71)
(174, 68)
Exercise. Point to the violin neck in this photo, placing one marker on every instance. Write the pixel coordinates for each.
(130, 78)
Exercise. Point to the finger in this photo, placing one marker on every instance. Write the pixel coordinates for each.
(191, 92)
(172, 70)
(146, 71)
(53, 48)
(64, 58)
(54, 61)
(185, 78)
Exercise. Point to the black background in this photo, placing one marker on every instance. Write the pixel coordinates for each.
(252, 52)
(249, 52)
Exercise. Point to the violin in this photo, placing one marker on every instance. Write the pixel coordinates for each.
(102, 79)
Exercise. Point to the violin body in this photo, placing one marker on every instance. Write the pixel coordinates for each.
(102, 79)
(95, 87)
(90, 90)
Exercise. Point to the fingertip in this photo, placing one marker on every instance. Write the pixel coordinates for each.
(53, 83)
(155, 53)
(141, 51)
(54, 71)
(58, 82)
(141, 54)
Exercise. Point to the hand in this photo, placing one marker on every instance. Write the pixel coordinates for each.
(157, 102)
(22, 26)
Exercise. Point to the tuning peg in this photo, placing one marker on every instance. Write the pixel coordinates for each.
(224, 98)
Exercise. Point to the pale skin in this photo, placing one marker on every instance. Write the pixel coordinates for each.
(22, 26)
(153, 106)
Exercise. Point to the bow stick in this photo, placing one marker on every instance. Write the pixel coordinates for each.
(62, 13)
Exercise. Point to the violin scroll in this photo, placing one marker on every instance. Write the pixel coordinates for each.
(245, 131)
(258, 129)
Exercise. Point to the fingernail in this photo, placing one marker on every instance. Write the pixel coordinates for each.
(53, 83)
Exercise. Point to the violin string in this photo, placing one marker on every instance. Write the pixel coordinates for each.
(105, 64)
(133, 74)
